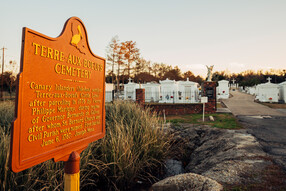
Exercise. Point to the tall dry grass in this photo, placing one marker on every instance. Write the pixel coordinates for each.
(132, 151)
(7, 109)
(134, 145)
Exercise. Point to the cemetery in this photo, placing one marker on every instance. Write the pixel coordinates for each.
(74, 124)
(171, 97)
(166, 91)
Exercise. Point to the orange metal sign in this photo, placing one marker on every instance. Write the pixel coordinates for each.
(60, 99)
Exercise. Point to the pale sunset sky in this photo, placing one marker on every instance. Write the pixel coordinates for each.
(233, 35)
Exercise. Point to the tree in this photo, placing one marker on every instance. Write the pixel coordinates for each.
(119, 62)
(144, 77)
(189, 75)
(163, 68)
(217, 76)
(112, 54)
(174, 74)
(155, 69)
(148, 67)
(9, 82)
(131, 53)
(140, 65)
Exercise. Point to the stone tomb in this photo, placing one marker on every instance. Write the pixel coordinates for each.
(268, 92)
(251, 90)
(152, 92)
(282, 92)
(168, 91)
(109, 88)
(223, 89)
(187, 92)
(130, 90)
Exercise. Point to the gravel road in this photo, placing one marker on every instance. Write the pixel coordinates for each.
(266, 124)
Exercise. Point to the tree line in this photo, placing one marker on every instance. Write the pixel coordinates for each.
(251, 78)
(124, 61)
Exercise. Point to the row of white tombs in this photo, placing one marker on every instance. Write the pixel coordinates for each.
(265, 92)
(268, 92)
(171, 91)
(166, 91)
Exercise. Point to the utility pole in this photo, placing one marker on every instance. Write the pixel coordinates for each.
(2, 78)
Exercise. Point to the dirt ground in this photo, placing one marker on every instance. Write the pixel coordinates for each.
(275, 105)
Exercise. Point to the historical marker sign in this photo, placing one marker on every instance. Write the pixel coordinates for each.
(204, 99)
(60, 99)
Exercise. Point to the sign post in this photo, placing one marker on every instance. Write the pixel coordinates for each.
(60, 99)
(204, 100)
(71, 173)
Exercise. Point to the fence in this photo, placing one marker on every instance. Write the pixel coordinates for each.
(157, 96)
(172, 96)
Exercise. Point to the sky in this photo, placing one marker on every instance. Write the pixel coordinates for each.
(232, 35)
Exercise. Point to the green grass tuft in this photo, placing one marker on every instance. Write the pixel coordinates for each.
(222, 120)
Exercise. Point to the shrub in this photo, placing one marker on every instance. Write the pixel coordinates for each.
(132, 150)
(6, 115)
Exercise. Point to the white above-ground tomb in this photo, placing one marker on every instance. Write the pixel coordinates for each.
(187, 92)
(109, 92)
(267, 92)
(130, 90)
(222, 89)
(282, 92)
(152, 91)
(168, 91)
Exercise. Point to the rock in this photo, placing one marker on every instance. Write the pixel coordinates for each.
(187, 182)
(236, 171)
(173, 167)
(227, 156)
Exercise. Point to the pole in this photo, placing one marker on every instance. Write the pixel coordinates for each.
(71, 176)
(203, 112)
(2, 78)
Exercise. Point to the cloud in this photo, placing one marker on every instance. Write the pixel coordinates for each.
(237, 65)
(195, 67)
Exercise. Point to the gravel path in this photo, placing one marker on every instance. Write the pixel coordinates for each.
(266, 124)
(243, 104)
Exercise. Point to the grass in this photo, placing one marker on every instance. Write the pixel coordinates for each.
(133, 150)
(221, 120)
(135, 144)
(7, 96)
(7, 109)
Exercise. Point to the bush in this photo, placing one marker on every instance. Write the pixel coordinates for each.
(132, 150)
(7, 109)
